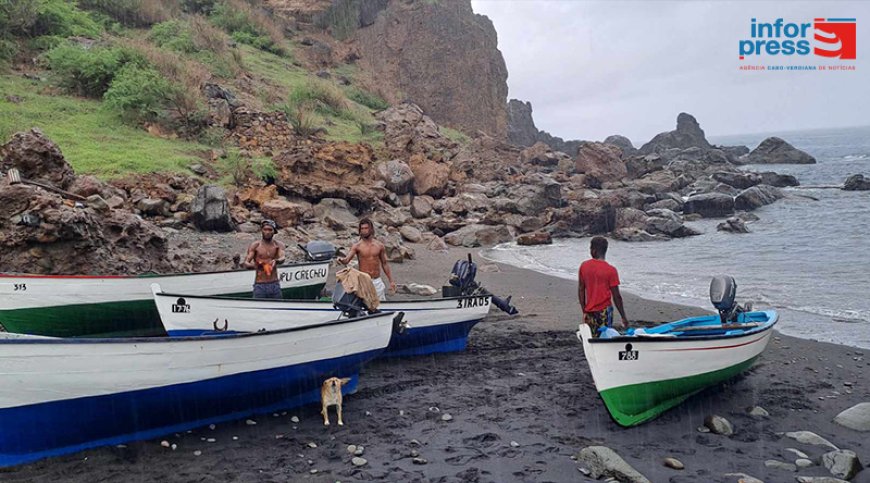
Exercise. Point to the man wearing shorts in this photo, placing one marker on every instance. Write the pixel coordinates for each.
(598, 285)
(265, 255)
(372, 257)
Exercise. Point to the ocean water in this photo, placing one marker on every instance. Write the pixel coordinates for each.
(808, 256)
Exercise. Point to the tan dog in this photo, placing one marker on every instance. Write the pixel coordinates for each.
(330, 395)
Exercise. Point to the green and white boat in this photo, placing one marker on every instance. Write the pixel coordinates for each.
(113, 306)
(645, 372)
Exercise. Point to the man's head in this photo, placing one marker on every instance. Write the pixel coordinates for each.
(598, 247)
(268, 228)
(366, 229)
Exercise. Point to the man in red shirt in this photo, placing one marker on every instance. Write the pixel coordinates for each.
(598, 284)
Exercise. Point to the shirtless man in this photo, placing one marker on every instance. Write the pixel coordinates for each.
(372, 256)
(264, 256)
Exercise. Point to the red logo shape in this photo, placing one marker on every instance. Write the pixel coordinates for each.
(837, 38)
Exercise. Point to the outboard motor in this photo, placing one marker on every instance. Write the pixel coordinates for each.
(350, 304)
(462, 282)
(318, 250)
(723, 291)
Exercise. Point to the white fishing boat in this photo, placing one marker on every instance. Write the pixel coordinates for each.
(434, 324)
(84, 305)
(645, 372)
(64, 395)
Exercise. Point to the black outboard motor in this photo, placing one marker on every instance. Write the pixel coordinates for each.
(350, 304)
(318, 250)
(462, 282)
(723, 292)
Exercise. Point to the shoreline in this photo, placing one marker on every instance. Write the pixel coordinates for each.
(522, 403)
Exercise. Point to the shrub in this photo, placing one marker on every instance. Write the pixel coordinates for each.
(302, 118)
(174, 35)
(88, 72)
(17, 17)
(236, 167)
(61, 18)
(139, 92)
(213, 136)
(372, 101)
(265, 169)
(134, 13)
(200, 39)
(323, 96)
(8, 50)
(204, 7)
(248, 25)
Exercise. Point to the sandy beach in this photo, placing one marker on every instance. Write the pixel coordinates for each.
(521, 403)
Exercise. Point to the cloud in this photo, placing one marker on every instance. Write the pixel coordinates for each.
(595, 68)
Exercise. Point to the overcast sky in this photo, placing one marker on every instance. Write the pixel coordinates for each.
(596, 68)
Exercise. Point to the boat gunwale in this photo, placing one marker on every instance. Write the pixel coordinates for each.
(285, 301)
(186, 338)
(146, 276)
(635, 338)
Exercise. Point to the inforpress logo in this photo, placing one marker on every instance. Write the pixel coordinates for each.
(836, 37)
(824, 37)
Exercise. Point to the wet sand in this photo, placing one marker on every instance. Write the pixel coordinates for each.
(522, 404)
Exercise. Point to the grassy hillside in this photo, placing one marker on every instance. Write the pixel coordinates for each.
(92, 137)
(115, 67)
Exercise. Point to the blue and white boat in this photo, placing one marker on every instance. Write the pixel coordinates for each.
(64, 395)
(433, 325)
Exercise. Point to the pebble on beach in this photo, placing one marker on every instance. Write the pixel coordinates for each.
(351, 448)
(312, 444)
(419, 461)
(719, 425)
(357, 461)
(250, 422)
(294, 419)
(164, 443)
(674, 463)
(447, 417)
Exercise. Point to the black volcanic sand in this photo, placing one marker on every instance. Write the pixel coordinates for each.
(522, 403)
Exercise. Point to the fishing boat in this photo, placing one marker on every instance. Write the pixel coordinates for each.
(62, 395)
(84, 305)
(645, 372)
(434, 325)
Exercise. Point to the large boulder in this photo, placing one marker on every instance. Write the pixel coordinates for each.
(535, 238)
(430, 177)
(479, 235)
(421, 206)
(778, 180)
(688, 134)
(739, 180)
(600, 160)
(285, 213)
(539, 154)
(37, 159)
(856, 417)
(710, 205)
(335, 209)
(774, 150)
(756, 197)
(638, 166)
(604, 462)
(733, 225)
(857, 182)
(210, 209)
(397, 175)
(842, 463)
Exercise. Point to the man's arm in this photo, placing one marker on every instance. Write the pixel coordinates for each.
(386, 267)
(349, 257)
(581, 293)
(249, 257)
(280, 257)
(617, 301)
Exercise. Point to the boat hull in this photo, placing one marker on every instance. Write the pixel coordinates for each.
(434, 325)
(161, 387)
(84, 306)
(639, 378)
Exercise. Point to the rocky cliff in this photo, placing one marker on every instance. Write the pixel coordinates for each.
(523, 132)
(439, 55)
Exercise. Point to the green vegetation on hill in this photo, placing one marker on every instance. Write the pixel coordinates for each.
(138, 63)
(91, 137)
